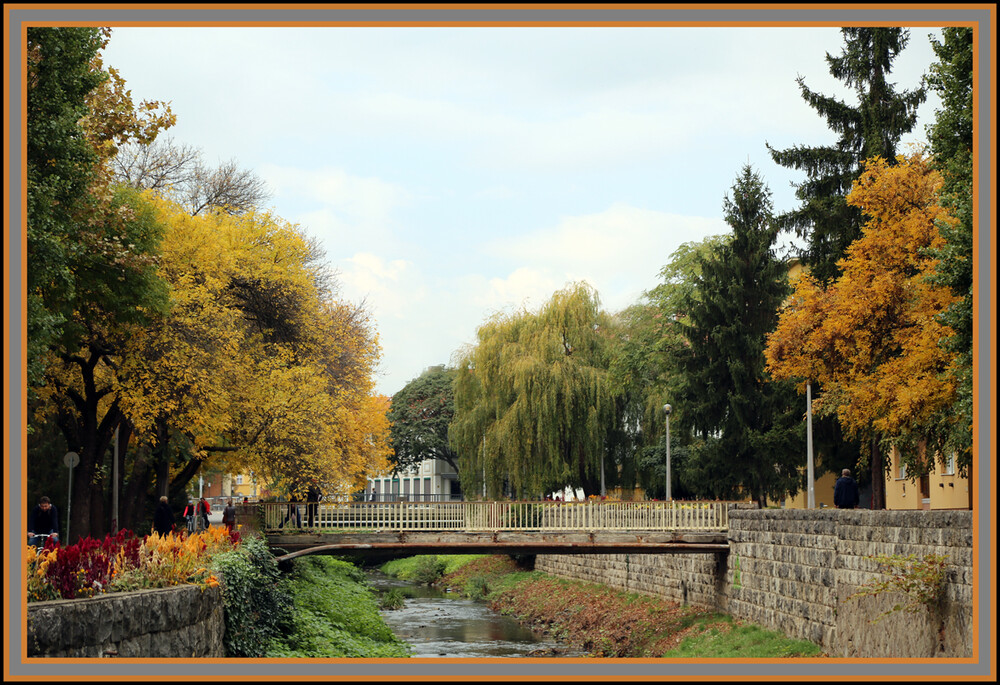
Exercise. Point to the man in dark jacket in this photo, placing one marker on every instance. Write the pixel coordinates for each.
(229, 515)
(43, 520)
(845, 492)
(313, 495)
(163, 517)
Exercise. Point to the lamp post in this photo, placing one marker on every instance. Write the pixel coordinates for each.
(666, 410)
(810, 473)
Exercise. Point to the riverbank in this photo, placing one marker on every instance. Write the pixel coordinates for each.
(602, 621)
(336, 615)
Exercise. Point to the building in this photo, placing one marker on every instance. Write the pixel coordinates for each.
(215, 484)
(822, 489)
(432, 480)
(941, 488)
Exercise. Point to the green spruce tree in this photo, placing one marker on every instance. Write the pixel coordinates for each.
(951, 144)
(870, 128)
(748, 429)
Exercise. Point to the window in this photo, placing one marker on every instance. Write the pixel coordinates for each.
(949, 465)
(902, 468)
(239, 479)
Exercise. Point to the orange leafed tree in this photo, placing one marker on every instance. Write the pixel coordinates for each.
(870, 339)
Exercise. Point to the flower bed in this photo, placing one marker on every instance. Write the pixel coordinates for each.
(124, 562)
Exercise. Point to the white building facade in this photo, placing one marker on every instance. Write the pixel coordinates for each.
(432, 480)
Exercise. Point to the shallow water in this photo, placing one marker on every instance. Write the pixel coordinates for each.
(441, 624)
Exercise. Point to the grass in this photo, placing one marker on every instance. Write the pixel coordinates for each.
(719, 637)
(414, 568)
(336, 615)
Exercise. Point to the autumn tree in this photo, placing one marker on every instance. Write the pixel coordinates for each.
(255, 368)
(872, 336)
(747, 433)
(870, 128)
(533, 402)
(209, 336)
(951, 145)
(420, 414)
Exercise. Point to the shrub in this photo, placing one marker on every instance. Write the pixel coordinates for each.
(921, 580)
(258, 607)
(476, 588)
(428, 569)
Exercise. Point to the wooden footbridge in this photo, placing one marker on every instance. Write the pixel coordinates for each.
(591, 527)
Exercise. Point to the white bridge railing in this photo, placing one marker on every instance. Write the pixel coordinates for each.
(496, 516)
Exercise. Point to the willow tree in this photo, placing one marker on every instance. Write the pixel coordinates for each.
(533, 400)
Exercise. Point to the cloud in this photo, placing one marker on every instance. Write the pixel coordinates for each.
(615, 250)
(362, 199)
(392, 288)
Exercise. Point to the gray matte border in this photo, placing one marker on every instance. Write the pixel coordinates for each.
(618, 669)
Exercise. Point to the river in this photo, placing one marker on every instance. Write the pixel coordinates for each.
(444, 624)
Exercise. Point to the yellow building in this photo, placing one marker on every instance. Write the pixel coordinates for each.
(942, 488)
(823, 488)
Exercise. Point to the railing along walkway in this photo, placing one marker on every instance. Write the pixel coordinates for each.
(497, 516)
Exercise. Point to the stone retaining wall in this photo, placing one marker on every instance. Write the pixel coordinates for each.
(175, 622)
(791, 570)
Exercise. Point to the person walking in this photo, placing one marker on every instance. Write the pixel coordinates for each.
(204, 508)
(229, 516)
(845, 491)
(43, 520)
(163, 517)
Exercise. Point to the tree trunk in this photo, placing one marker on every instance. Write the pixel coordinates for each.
(878, 476)
(135, 496)
(89, 435)
(161, 447)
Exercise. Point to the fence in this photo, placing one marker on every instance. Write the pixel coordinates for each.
(497, 516)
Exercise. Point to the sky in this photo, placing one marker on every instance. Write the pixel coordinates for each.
(451, 173)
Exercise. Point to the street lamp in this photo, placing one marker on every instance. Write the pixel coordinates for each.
(666, 410)
(810, 469)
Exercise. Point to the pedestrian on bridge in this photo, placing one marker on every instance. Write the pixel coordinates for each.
(293, 513)
(313, 496)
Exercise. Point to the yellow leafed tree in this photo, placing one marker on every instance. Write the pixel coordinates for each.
(871, 338)
(256, 368)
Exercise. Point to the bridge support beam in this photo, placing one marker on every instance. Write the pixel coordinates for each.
(501, 542)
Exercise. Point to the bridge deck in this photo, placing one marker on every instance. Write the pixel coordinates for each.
(297, 544)
(498, 527)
